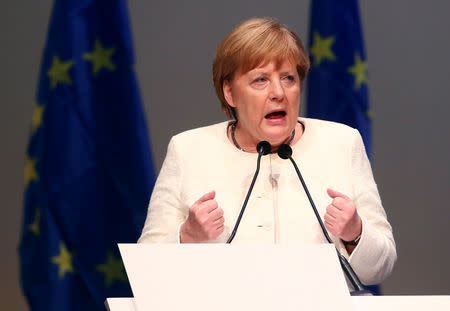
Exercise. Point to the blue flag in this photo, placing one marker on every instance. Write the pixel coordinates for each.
(88, 168)
(337, 81)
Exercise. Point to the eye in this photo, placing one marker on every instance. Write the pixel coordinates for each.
(290, 78)
(260, 80)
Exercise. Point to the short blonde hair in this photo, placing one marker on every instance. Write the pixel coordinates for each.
(255, 42)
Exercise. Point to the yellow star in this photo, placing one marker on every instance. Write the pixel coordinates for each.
(112, 269)
(359, 70)
(369, 114)
(30, 171)
(59, 72)
(100, 58)
(321, 48)
(63, 260)
(37, 117)
(34, 227)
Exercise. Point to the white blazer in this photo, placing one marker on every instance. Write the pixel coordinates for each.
(329, 155)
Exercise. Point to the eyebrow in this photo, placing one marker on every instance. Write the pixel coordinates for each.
(262, 72)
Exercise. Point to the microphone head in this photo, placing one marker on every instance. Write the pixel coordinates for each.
(263, 147)
(284, 151)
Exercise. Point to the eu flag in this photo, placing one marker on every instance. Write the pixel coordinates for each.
(88, 168)
(337, 82)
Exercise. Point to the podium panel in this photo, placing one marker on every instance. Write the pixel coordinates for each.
(225, 277)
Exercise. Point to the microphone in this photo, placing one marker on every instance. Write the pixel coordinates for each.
(285, 152)
(263, 149)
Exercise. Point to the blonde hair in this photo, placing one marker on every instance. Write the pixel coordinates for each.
(255, 42)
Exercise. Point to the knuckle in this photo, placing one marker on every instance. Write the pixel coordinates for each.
(347, 217)
(203, 221)
(196, 209)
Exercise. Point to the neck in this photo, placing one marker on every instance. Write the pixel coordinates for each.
(288, 140)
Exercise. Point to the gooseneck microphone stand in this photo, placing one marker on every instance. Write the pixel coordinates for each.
(263, 148)
(285, 152)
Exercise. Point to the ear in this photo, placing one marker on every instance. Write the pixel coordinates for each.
(227, 93)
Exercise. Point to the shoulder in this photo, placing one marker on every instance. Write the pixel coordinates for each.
(329, 137)
(328, 128)
(329, 133)
(201, 137)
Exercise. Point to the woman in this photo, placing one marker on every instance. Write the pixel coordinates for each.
(258, 74)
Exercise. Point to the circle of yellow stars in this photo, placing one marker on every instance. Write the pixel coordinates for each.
(100, 57)
(321, 50)
(30, 171)
(59, 73)
(359, 71)
(34, 226)
(113, 269)
(64, 261)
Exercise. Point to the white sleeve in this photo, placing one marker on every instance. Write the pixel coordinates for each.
(166, 212)
(375, 254)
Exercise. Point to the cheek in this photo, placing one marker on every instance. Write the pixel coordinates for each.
(253, 103)
(294, 98)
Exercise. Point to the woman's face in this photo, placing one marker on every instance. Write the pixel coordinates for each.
(266, 100)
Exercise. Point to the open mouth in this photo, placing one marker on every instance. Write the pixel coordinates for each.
(276, 114)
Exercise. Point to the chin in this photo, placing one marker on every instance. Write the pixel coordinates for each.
(277, 140)
(278, 133)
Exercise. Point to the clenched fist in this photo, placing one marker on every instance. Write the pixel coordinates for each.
(341, 217)
(205, 221)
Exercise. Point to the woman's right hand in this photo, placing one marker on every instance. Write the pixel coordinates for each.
(205, 221)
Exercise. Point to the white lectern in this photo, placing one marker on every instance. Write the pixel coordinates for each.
(228, 277)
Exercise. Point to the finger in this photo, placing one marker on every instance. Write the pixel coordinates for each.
(332, 211)
(216, 213)
(339, 203)
(208, 207)
(207, 196)
(220, 229)
(336, 194)
(329, 227)
(218, 222)
(328, 219)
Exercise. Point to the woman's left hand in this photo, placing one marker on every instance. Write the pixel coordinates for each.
(341, 217)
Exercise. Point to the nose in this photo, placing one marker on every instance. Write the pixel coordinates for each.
(276, 91)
